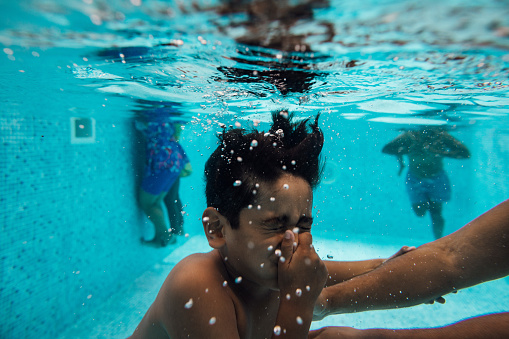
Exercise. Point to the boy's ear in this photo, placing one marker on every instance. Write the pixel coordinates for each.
(213, 225)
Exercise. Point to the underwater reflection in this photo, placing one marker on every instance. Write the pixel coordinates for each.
(275, 35)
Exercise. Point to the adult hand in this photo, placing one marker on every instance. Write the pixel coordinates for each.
(401, 251)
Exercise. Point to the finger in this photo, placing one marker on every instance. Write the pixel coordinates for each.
(287, 245)
(402, 250)
(440, 300)
(305, 241)
(295, 232)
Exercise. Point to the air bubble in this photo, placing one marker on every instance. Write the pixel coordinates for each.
(212, 321)
(277, 330)
(189, 304)
(238, 280)
(237, 183)
(270, 248)
(286, 186)
(299, 320)
(272, 199)
(278, 252)
(298, 292)
(254, 143)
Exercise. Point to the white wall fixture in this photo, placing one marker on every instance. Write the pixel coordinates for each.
(82, 130)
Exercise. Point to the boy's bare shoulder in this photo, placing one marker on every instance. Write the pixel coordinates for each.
(193, 289)
(196, 269)
(193, 278)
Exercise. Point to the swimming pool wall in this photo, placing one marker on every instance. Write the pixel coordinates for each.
(71, 224)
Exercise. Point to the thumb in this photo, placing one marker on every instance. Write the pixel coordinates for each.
(287, 245)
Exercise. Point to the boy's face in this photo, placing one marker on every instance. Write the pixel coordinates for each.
(252, 249)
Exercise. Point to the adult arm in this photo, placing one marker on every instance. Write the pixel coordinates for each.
(448, 146)
(400, 145)
(476, 253)
(340, 271)
(487, 326)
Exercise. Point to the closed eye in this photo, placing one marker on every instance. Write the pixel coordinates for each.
(305, 223)
(282, 223)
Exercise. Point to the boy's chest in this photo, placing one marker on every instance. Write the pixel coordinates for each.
(257, 319)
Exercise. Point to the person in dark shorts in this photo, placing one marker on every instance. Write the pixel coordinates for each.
(426, 181)
(166, 162)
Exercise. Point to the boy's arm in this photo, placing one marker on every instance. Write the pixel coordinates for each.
(487, 326)
(476, 253)
(301, 277)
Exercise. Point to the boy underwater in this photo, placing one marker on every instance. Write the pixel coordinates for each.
(263, 276)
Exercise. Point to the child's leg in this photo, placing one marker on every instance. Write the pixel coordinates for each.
(155, 210)
(174, 207)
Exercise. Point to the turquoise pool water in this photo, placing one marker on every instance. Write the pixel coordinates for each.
(71, 261)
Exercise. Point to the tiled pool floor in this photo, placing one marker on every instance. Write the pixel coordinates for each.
(119, 315)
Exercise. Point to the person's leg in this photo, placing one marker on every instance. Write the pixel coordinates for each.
(435, 211)
(155, 210)
(174, 207)
(420, 208)
(418, 199)
(154, 188)
(439, 193)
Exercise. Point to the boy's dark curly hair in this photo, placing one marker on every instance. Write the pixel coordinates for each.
(244, 159)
